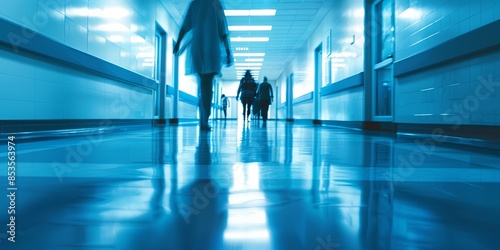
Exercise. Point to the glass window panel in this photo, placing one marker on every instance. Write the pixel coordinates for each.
(385, 30)
(383, 91)
(157, 57)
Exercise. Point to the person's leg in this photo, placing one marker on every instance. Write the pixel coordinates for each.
(225, 113)
(245, 104)
(249, 105)
(264, 105)
(205, 95)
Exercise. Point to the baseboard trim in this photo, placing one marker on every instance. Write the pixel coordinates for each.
(35, 130)
(482, 136)
(23, 126)
(346, 124)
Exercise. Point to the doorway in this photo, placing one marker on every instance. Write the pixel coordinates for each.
(383, 59)
(159, 73)
(318, 82)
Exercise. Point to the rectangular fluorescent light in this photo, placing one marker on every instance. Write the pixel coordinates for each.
(244, 71)
(254, 59)
(251, 28)
(249, 39)
(247, 64)
(250, 54)
(254, 12)
(243, 75)
(248, 68)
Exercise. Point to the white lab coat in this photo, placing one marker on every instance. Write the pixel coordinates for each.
(206, 20)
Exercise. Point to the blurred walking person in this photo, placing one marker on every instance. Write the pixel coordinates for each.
(247, 89)
(265, 96)
(207, 21)
(225, 104)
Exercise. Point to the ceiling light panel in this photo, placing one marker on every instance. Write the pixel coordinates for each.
(248, 68)
(253, 12)
(250, 28)
(249, 39)
(254, 59)
(248, 64)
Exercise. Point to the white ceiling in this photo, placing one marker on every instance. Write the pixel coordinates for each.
(294, 22)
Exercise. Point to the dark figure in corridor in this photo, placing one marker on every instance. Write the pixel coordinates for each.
(225, 104)
(256, 108)
(247, 89)
(265, 97)
(207, 21)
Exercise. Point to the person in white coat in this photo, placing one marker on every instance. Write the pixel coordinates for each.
(210, 35)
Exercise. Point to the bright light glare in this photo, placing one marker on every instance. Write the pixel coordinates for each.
(249, 68)
(247, 64)
(344, 54)
(115, 38)
(254, 75)
(241, 72)
(411, 13)
(337, 60)
(96, 12)
(339, 65)
(255, 234)
(116, 27)
(254, 59)
(261, 12)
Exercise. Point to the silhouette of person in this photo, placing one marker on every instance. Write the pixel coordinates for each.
(207, 21)
(247, 90)
(265, 96)
(256, 108)
(225, 104)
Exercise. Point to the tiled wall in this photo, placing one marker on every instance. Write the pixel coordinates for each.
(282, 113)
(345, 21)
(465, 92)
(187, 110)
(33, 89)
(347, 105)
(120, 32)
(421, 24)
(462, 92)
(303, 73)
(304, 110)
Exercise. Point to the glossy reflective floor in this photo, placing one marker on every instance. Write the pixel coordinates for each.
(249, 186)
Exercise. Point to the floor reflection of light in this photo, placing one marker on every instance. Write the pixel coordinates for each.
(122, 214)
(348, 194)
(350, 207)
(245, 177)
(247, 220)
(134, 199)
(247, 234)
